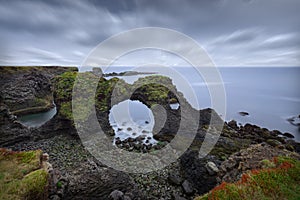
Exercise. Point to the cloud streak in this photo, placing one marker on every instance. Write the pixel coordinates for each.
(234, 33)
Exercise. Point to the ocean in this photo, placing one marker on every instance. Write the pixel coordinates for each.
(270, 95)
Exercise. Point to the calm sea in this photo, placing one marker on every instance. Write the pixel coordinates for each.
(270, 95)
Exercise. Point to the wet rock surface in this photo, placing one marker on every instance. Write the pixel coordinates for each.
(295, 120)
(243, 113)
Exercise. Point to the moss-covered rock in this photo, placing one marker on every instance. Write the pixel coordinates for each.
(63, 87)
(154, 89)
(149, 90)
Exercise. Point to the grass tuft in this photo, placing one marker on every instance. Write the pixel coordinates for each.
(281, 180)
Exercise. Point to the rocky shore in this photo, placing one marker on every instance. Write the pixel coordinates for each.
(239, 148)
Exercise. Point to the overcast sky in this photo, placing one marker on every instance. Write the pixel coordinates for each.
(233, 32)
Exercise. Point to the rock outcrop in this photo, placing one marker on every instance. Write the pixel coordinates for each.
(250, 158)
(28, 89)
(11, 131)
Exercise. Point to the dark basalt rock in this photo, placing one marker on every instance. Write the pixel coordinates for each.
(96, 182)
(175, 179)
(242, 113)
(288, 135)
(233, 124)
(187, 187)
(195, 172)
(12, 132)
(295, 121)
(27, 90)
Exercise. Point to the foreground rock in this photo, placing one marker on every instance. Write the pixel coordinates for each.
(258, 172)
(248, 159)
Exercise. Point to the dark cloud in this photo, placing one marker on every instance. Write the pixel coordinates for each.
(231, 31)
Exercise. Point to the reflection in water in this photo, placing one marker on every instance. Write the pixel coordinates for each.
(174, 106)
(38, 119)
(132, 119)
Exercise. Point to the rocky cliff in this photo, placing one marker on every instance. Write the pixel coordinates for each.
(28, 89)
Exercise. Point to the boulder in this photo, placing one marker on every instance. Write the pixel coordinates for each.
(187, 187)
(116, 195)
(273, 142)
(243, 113)
(211, 168)
(288, 135)
(175, 179)
(233, 124)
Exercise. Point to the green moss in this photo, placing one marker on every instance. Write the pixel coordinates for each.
(279, 181)
(155, 89)
(66, 110)
(63, 86)
(21, 176)
(267, 164)
(173, 100)
(114, 89)
(28, 157)
(35, 184)
(58, 184)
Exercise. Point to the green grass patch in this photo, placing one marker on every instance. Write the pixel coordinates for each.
(21, 176)
(280, 179)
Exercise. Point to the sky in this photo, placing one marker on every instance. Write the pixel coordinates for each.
(232, 32)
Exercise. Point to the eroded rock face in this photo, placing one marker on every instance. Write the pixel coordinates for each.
(25, 90)
(11, 131)
(233, 139)
(195, 172)
(28, 89)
